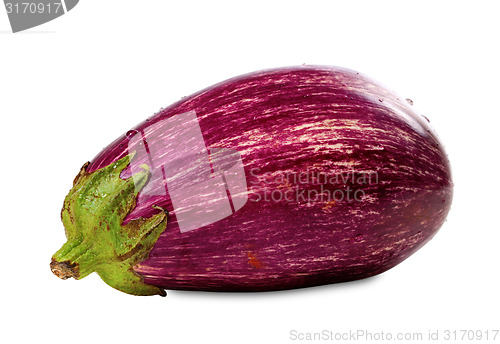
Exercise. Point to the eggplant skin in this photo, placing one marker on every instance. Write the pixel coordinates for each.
(300, 121)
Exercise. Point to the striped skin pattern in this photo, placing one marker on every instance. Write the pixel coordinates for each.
(309, 122)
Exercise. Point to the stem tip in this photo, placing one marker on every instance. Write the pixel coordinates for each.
(64, 270)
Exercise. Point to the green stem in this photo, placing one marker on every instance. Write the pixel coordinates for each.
(93, 214)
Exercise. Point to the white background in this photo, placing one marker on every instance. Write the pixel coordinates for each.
(71, 86)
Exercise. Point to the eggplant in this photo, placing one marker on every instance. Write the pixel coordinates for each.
(278, 179)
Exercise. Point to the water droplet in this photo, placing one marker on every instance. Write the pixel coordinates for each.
(380, 100)
(131, 133)
(357, 238)
(409, 101)
(426, 118)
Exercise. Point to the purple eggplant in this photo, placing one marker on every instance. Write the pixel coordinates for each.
(278, 179)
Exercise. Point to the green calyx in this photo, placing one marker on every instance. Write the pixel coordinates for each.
(93, 215)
